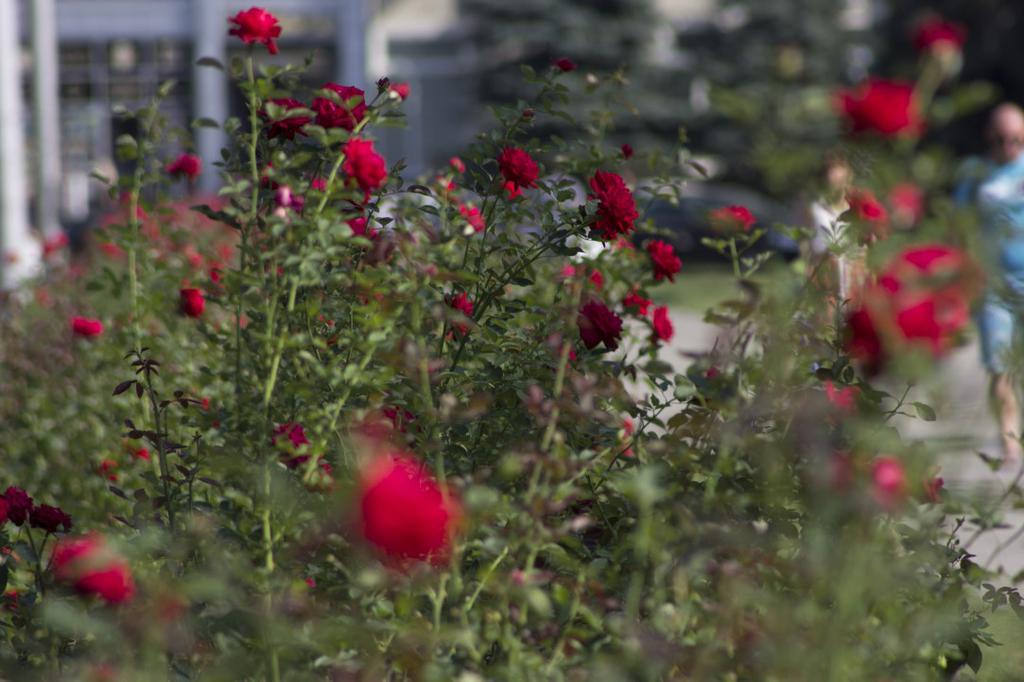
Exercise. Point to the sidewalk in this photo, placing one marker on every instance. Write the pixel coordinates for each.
(957, 391)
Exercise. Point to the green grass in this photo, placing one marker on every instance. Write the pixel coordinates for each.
(703, 285)
(1001, 663)
(697, 287)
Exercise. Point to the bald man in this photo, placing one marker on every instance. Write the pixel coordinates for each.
(995, 186)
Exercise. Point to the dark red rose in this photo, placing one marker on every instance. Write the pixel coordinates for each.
(256, 25)
(19, 504)
(519, 170)
(616, 209)
(636, 303)
(627, 151)
(663, 330)
(889, 482)
(192, 302)
(289, 126)
(862, 340)
(83, 326)
(564, 64)
(400, 419)
(187, 166)
(464, 305)
(664, 259)
(330, 114)
(932, 489)
(3, 511)
(364, 165)
(49, 518)
(598, 324)
(404, 512)
(91, 568)
(732, 219)
(935, 34)
(401, 90)
(884, 107)
(293, 432)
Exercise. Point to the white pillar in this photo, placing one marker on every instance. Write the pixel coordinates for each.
(19, 253)
(46, 115)
(210, 85)
(350, 45)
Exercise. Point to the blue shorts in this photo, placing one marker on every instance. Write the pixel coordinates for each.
(997, 325)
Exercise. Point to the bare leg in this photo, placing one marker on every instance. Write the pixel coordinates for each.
(1004, 404)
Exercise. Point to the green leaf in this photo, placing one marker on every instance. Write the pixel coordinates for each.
(925, 412)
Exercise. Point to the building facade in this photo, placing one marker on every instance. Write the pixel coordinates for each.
(116, 53)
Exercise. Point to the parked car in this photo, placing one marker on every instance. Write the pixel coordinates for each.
(688, 223)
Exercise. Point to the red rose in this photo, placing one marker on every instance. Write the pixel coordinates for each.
(192, 302)
(519, 170)
(663, 330)
(464, 305)
(401, 90)
(862, 340)
(907, 201)
(935, 34)
(4, 507)
(55, 243)
(49, 518)
(889, 482)
(664, 259)
(843, 398)
(885, 107)
(457, 164)
(86, 327)
(256, 25)
(404, 513)
(358, 227)
(731, 219)
(598, 324)
(19, 504)
(616, 209)
(187, 165)
(865, 206)
(364, 165)
(627, 151)
(107, 469)
(473, 217)
(636, 303)
(294, 432)
(92, 569)
(921, 299)
(329, 114)
(596, 279)
(289, 126)
(564, 64)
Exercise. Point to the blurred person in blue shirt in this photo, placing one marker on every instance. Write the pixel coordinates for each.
(994, 185)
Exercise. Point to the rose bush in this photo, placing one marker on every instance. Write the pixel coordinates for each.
(365, 429)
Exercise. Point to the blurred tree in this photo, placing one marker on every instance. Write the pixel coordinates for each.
(771, 69)
(991, 54)
(599, 36)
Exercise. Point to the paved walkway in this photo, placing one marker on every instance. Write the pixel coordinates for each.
(964, 427)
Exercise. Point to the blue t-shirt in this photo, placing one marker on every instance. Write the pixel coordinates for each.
(998, 193)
